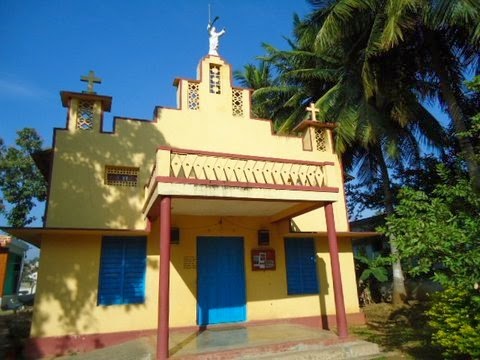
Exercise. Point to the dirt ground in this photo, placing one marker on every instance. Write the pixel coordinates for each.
(401, 331)
(14, 329)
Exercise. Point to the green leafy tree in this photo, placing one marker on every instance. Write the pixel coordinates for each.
(371, 272)
(438, 235)
(21, 183)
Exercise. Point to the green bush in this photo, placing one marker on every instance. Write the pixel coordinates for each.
(438, 234)
(455, 320)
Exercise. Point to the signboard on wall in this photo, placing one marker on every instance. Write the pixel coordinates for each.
(263, 259)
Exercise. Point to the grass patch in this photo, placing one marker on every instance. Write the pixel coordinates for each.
(400, 330)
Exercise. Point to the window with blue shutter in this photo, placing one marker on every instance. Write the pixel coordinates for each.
(301, 266)
(122, 270)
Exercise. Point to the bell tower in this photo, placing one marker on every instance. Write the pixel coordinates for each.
(85, 109)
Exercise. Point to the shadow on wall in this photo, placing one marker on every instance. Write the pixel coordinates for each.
(66, 300)
(324, 287)
(269, 287)
(79, 195)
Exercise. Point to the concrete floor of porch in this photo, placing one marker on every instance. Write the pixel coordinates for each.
(241, 341)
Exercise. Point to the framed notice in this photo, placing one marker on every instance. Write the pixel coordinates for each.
(263, 259)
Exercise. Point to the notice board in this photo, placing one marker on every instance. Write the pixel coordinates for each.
(263, 259)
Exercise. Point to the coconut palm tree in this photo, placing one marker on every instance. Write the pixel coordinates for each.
(254, 77)
(371, 98)
(439, 39)
(445, 37)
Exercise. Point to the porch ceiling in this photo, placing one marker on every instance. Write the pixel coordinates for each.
(275, 210)
(207, 207)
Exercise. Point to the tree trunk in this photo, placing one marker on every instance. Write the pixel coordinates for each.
(466, 146)
(448, 94)
(399, 294)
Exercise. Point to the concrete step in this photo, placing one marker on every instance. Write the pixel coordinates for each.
(354, 349)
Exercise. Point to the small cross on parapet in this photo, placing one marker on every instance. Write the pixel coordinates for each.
(313, 110)
(91, 80)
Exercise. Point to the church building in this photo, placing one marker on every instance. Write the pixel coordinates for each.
(201, 216)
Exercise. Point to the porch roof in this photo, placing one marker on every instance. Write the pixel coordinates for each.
(34, 235)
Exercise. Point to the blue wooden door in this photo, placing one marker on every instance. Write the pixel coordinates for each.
(221, 280)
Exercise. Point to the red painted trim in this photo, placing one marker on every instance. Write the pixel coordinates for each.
(164, 279)
(40, 347)
(336, 274)
(174, 180)
(244, 157)
(62, 345)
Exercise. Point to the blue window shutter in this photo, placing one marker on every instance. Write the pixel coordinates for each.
(122, 270)
(134, 271)
(301, 266)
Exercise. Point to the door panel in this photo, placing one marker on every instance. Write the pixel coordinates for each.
(221, 280)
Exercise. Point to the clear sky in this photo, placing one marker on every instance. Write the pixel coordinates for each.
(137, 47)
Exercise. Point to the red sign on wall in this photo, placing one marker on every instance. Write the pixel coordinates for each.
(263, 259)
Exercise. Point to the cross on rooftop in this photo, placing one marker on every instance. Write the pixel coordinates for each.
(313, 110)
(91, 80)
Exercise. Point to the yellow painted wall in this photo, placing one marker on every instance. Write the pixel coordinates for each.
(79, 198)
(66, 301)
(267, 296)
(68, 278)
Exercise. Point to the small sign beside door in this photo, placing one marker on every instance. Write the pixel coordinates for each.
(263, 259)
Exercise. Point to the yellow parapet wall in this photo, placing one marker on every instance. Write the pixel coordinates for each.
(79, 196)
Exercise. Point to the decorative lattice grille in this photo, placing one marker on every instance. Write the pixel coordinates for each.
(237, 102)
(85, 115)
(219, 168)
(193, 96)
(121, 176)
(321, 139)
(215, 79)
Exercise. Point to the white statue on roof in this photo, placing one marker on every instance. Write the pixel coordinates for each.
(213, 38)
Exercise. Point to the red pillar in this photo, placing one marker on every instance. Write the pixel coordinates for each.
(164, 279)
(336, 275)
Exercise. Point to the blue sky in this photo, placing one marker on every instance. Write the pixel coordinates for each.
(137, 47)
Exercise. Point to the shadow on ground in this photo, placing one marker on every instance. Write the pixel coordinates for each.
(14, 331)
(399, 328)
